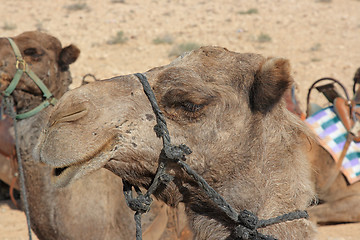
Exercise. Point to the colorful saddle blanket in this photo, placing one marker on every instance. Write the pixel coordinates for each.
(332, 134)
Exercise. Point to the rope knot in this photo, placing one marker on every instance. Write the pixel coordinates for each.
(248, 219)
(140, 204)
(166, 178)
(244, 233)
(177, 152)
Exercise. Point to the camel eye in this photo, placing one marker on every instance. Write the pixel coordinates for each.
(34, 53)
(191, 107)
(180, 105)
(30, 51)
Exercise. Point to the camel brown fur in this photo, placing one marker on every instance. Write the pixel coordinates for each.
(79, 211)
(225, 106)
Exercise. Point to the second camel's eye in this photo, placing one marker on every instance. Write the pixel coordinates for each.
(30, 52)
(191, 107)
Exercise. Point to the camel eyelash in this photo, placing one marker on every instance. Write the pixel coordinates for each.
(191, 107)
(185, 110)
(178, 104)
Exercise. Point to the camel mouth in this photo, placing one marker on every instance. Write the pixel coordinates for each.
(59, 171)
(61, 176)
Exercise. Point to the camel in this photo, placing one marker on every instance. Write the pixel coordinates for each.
(225, 106)
(49, 61)
(337, 199)
(62, 213)
(56, 213)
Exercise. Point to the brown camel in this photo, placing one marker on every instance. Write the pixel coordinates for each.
(57, 213)
(225, 106)
(47, 59)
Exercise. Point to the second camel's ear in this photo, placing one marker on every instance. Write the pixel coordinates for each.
(67, 56)
(271, 81)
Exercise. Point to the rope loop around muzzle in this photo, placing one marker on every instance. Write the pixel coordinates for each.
(246, 222)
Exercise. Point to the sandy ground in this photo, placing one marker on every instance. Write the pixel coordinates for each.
(319, 37)
(13, 227)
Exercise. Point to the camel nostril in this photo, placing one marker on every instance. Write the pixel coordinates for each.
(69, 117)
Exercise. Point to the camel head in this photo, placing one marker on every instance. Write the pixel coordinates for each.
(226, 106)
(211, 97)
(46, 57)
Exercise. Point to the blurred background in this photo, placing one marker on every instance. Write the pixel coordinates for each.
(116, 37)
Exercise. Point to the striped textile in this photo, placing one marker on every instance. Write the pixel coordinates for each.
(332, 134)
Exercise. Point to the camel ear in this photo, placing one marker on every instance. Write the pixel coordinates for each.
(67, 56)
(271, 81)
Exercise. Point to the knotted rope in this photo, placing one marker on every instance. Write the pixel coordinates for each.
(246, 222)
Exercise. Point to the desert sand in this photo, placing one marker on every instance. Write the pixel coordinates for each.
(321, 38)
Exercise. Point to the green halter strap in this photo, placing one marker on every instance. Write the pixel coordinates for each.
(21, 67)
